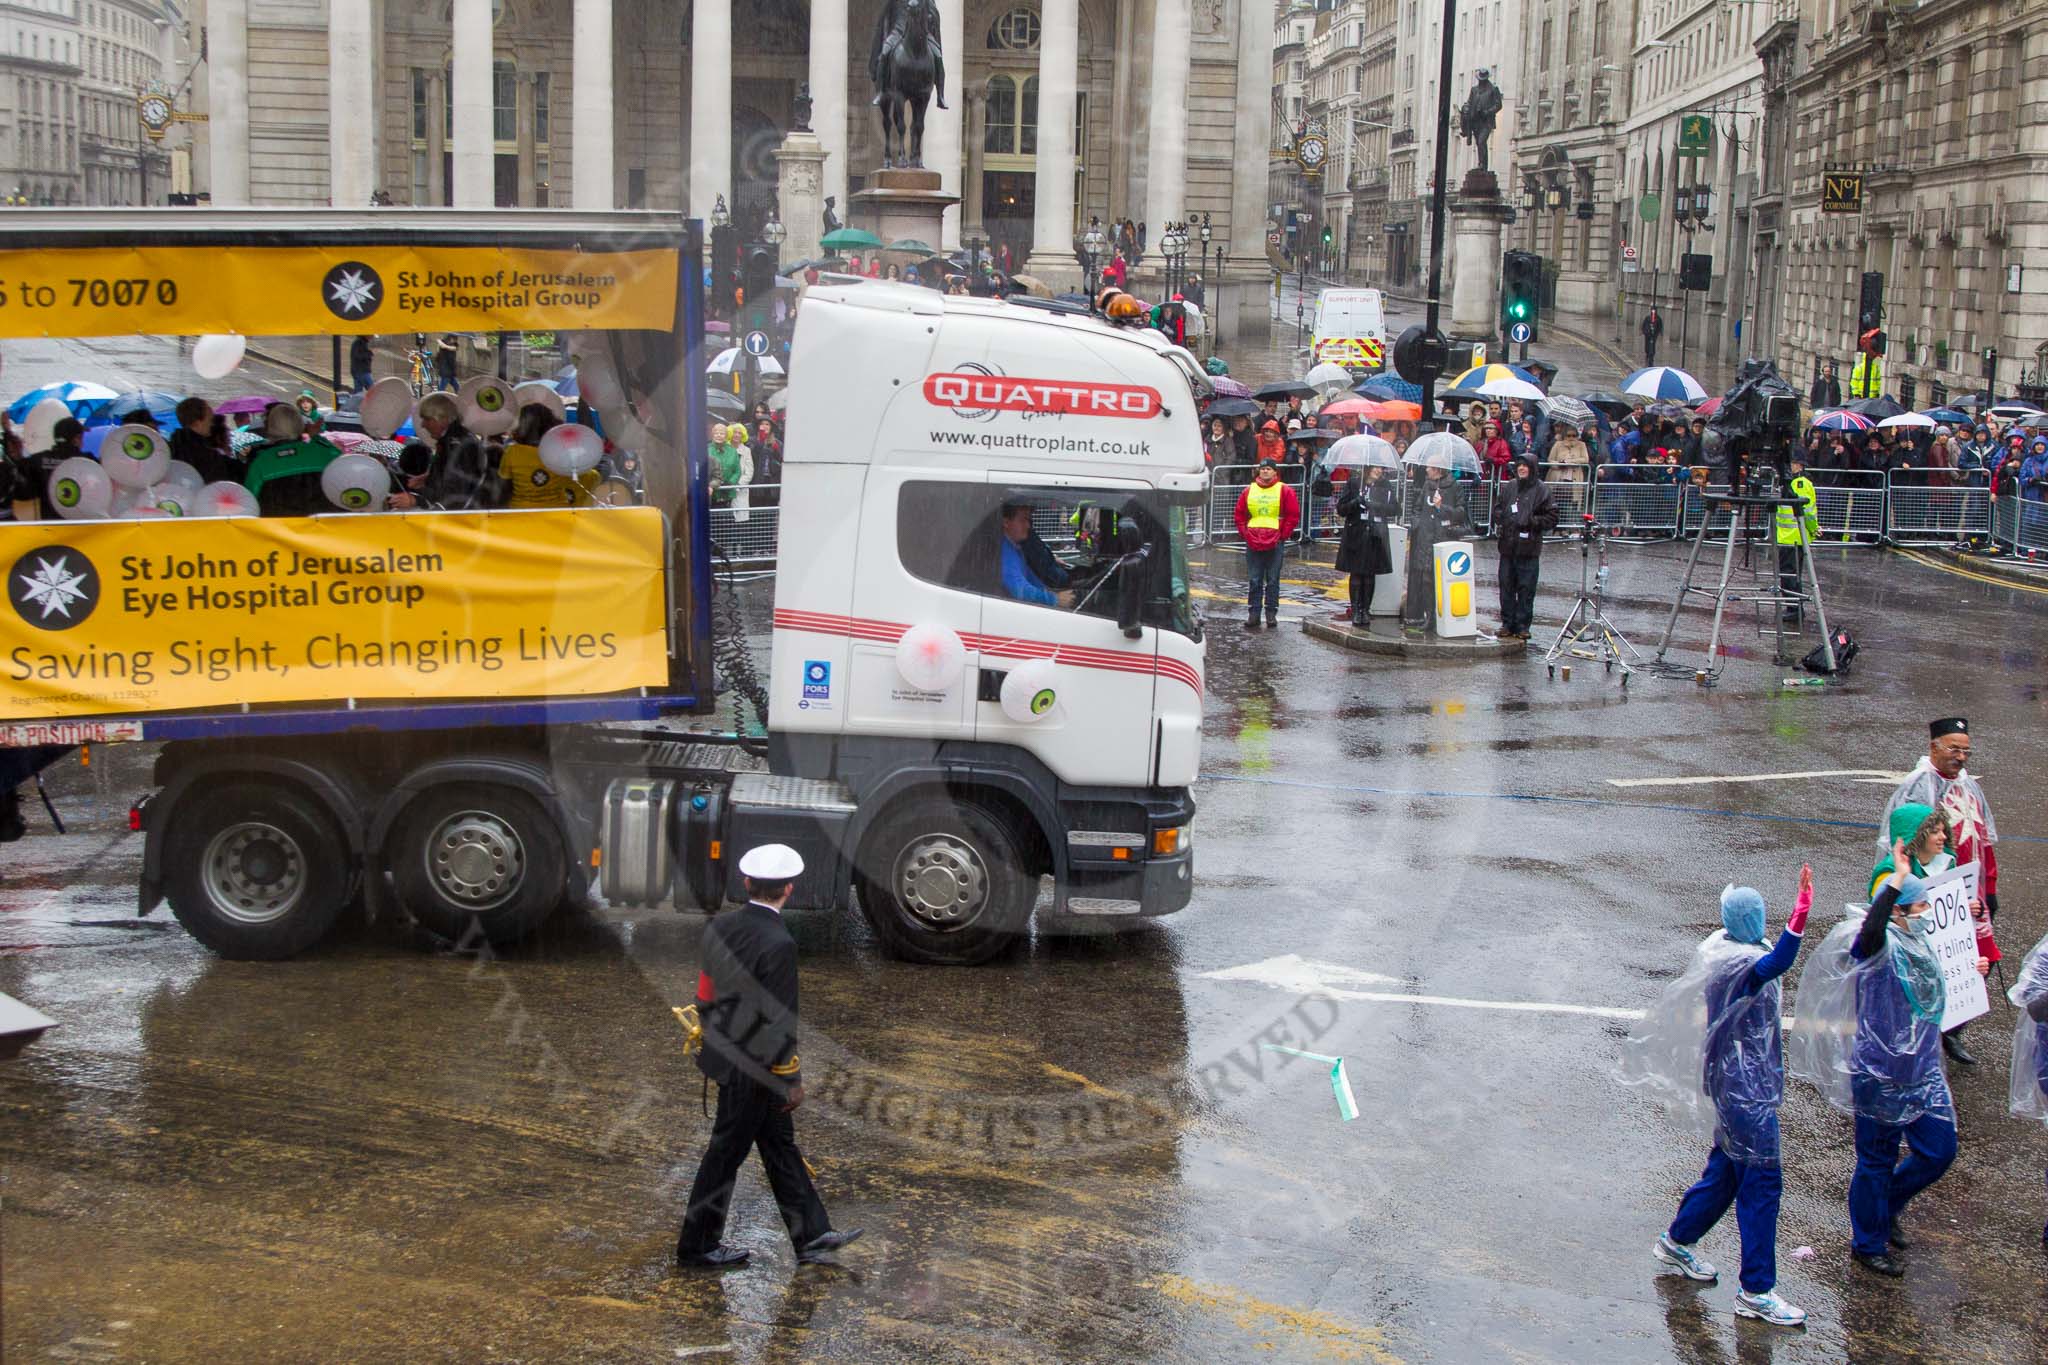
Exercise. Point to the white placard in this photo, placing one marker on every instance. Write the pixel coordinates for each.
(1953, 936)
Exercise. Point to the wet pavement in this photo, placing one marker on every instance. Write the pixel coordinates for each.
(382, 1152)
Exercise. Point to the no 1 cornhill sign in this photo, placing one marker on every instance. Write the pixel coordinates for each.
(1841, 190)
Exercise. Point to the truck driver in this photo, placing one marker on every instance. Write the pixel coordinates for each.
(1031, 573)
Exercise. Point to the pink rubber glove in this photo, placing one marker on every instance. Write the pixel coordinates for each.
(1800, 907)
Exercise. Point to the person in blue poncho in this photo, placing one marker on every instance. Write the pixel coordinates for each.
(2029, 997)
(1732, 1077)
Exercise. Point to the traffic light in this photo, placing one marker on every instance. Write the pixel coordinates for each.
(1521, 284)
(1329, 238)
(1870, 309)
(757, 275)
(1420, 357)
(723, 255)
(1871, 341)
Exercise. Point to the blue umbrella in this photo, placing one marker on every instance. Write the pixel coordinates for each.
(80, 398)
(566, 385)
(1946, 414)
(1389, 388)
(1665, 382)
(160, 405)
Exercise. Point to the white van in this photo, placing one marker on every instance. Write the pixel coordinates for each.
(1350, 330)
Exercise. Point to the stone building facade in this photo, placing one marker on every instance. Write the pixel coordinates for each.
(120, 56)
(1566, 183)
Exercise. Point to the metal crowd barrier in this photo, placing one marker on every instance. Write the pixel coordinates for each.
(1918, 511)
(2023, 524)
(1849, 504)
(747, 535)
(1634, 501)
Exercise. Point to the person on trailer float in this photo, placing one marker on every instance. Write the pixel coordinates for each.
(530, 483)
(1712, 1048)
(1267, 513)
(1941, 779)
(30, 474)
(460, 475)
(2029, 1086)
(747, 1011)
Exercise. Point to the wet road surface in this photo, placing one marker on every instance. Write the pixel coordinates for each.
(381, 1152)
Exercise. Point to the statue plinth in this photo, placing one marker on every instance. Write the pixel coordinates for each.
(800, 190)
(1479, 184)
(1477, 219)
(900, 203)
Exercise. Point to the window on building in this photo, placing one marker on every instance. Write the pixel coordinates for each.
(542, 112)
(504, 102)
(1543, 49)
(419, 105)
(1000, 138)
(1015, 31)
(1027, 118)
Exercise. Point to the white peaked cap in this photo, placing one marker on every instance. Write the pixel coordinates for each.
(772, 863)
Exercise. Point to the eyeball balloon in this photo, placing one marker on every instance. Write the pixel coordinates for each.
(134, 456)
(355, 483)
(224, 499)
(385, 406)
(182, 475)
(533, 391)
(930, 657)
(81, 490)
(570, 450)
(146, 511)
(1030, 690)
(217, 357)
(126, 500)
(168, 498)
(487, 406)
(39, 428)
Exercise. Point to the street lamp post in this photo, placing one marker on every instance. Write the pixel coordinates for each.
(1094, 245)
(1205, 259)
(1446, 73)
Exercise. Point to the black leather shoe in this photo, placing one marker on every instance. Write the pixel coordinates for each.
(718, 1258)
(1252, 624)
(1895, 1237)
(1272, 623)
(1953, 1046)
(1883, 1264)
(818, 1248)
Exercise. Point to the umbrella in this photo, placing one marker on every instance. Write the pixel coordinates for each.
(1664, 381)
(240, 441)
(245, 405)
(1442, 450)
(1946, 414)
(1032, 285)
(1328, 380)
(1709, 407)
(909, 244)
(567, 386)
(2033, 421)
(1216, 365)
(1225, 387)
(2005, 410)
(723, 404)
(72, 394)
(1675, 411)
(1494, 381)
(158, 404)
(1232, 407)
(1571, 412)
(1349, 407)
(845, 238)
(1841, 419)
(727, 360)
(1362, 452)
(1909, 419)
(1283, 389)
(1389, 386)
(1876, 408)
(1314, 436)
(1614, 405)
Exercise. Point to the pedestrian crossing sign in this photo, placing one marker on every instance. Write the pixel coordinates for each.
(1695, 135)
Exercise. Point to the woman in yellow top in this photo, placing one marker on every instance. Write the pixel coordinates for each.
(532, 483)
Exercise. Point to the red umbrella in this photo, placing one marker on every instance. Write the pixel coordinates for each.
(1708, 408)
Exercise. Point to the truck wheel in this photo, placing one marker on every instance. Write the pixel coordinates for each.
(256, 872)
(472, 854)
(945, 884)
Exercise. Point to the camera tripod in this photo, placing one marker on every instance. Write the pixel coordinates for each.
(1766, 591)
(1587, 633)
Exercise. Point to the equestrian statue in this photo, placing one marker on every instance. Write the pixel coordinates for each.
(907, 68)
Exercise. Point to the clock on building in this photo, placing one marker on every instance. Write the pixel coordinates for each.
(156, 114)
(1311, 151)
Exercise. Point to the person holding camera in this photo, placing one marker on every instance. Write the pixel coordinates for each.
(1441, 516)
(1527, 513)
(1366, 505)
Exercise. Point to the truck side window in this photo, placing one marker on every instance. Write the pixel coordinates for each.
(947, 533)
(953, 534)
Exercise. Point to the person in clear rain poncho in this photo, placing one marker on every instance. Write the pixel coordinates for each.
(1867, 1035)
(1709, 1051)
(2029, 997)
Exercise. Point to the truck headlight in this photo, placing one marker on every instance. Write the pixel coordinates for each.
(1168, 842)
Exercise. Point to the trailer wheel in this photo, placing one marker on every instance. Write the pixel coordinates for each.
(255, 872)
(944, 883)
(477, 856)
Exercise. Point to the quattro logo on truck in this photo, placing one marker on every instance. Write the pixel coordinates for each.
(53, 588)
(980, 393)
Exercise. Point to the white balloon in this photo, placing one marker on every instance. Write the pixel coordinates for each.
(356, 483)
(135, 456)
(533, 391)
(1030, 691)
(569, 450)
(385, 406)
(217, 357)
(487, 407)
(146, 511)
(184, 476)
(599, 383)
(126, 499)
(930, 657)
(39, 428)
(81, 489)
(168, 498)
(224, 499)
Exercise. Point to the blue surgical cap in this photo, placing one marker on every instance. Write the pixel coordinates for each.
(1912, 890)
(1742, 914)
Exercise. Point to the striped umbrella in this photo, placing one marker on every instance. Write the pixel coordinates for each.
(1390, 386)
(78, 396)
(1494, 381)
(1664, 381)
(1225, 387)
(1840, 419)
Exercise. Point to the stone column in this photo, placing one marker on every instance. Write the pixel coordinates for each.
(710, 107)
(1119, 107)
(1476, 225)
(1059, 76)
(475, 179)
(974, 119)
(523, 100)
(227, 100)
(1251, 279)
(592, 179)
(800, 194)
(942, 127)
(351, 95)
(437, 142)
(829, 24)
(1166, 167)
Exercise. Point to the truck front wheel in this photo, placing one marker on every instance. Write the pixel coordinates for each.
(944, 883)
(255, 872)
(475, 855)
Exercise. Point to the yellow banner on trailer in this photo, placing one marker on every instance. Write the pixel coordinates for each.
(318, 291)
(139, 616)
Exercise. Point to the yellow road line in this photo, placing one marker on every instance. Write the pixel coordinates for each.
(1930, 563)
(1325, 1335)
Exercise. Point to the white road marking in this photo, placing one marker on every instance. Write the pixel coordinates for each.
(1861, 774)
(1292, 972)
